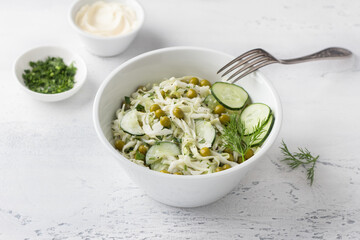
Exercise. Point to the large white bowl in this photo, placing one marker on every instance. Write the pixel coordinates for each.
(106, 46)
(177, 190)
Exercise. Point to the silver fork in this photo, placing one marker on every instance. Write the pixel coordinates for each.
(258, 58)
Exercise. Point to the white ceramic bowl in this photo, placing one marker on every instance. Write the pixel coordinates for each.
(106, 46)
(175, 190)
(41, 53)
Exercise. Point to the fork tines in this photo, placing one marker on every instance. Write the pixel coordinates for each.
(247, 63)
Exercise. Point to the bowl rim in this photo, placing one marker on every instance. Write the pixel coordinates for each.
(98, 37)
(270, 141)
(61, 95)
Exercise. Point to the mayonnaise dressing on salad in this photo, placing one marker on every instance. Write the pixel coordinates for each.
(106, 18)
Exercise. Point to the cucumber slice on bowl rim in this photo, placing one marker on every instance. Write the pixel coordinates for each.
(253, 115)
(231, 96)
(205, 133)
(130, 124)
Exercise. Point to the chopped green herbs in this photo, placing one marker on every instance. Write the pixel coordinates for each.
(303, 157)
(177, 140)
(152, 95)
(50, 76)
(127, 100)
(140, 108)
(139, 156)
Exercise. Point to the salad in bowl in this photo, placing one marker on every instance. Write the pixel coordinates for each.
(187, 126)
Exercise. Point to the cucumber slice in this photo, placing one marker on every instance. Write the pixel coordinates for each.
(161, 150)
(266, 131)
(130, 124)
(254, 114)
(229, 95)
(205, 133)
(158, 166)
(210, 101)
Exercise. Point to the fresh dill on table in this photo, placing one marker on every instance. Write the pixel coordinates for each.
(235, 138)
(50, 76)
(303, 157)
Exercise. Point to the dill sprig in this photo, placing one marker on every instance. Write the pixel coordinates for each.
(235, 138)
(303, 157)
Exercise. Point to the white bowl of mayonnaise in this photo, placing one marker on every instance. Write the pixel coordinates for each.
(108, 27)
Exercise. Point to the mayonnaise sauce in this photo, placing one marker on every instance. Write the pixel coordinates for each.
(106, 18)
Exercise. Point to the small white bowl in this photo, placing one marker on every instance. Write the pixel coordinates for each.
(176, 190)
(106, 46)
(41, 53)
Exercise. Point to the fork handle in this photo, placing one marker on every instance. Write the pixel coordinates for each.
(333, 52)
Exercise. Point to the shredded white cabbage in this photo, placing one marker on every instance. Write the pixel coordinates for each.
(182, 131)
